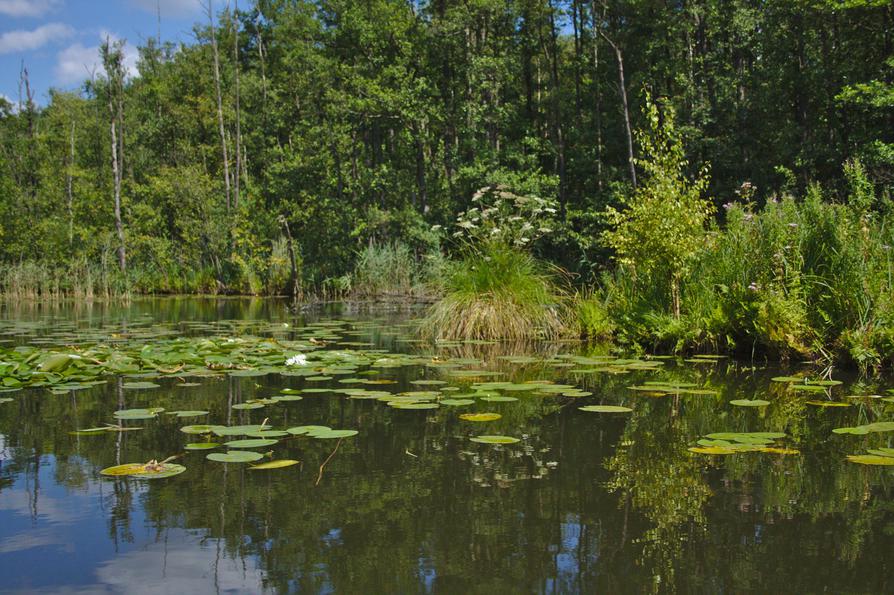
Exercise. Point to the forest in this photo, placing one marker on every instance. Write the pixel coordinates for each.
(687, 174)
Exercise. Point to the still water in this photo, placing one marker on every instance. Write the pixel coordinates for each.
(584, 502)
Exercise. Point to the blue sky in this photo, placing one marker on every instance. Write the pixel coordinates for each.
(58, 40)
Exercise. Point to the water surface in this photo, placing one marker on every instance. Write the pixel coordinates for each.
(584, 502)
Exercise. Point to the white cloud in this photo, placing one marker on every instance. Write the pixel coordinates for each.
(77, 62)
(171, 8)
(28, 8)
(22, 40)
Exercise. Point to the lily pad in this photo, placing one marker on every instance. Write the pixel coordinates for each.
(144, 470)
(330, 434)
(827, 404)
(498, 399)
(714, 450)
(196, 413)
(495, 439)
(302, 430)
(412, 406)
(457, 402)
(480, 416)
(137, 413)
(238, 456)
(198, 429)
(277, 464)
(251, 443)
(201, 445)
(243, 406)
(871, 459)
(139, 385)
(605, 409)
(749, 402)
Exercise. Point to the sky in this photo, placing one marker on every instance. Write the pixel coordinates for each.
(58, 40)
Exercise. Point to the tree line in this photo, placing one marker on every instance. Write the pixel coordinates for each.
(289, 134)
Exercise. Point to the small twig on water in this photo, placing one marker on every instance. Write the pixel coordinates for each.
(329, 458)
(407, 451)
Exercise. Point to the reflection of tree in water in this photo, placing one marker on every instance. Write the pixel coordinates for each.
(654, 473)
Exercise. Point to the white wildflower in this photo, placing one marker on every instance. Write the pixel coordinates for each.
(297, 360)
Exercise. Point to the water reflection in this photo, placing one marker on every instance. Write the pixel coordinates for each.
(585, 503)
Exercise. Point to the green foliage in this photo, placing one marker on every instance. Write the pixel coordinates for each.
(794, 279)
(661, 227)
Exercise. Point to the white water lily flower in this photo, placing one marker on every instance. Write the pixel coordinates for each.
(297, 360)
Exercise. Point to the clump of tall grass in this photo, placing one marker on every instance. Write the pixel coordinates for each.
(495, 292)
(386, 269)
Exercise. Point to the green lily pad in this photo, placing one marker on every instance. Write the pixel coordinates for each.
(238, 430)
(302, 430)
(605, 409)
(144, 471)
(277, 464)
(137, 413)
(238, 456)
(90, 431)
(457, 402)
(198, 429)
(185, 413)
(251, 443)
(495, 439)
(480, 416)
(329, 434)
(827, 403)
(749, 402)
(268, 434)
(243, 406)
(139, 385)
(201, 445)
(412, 406)
(871, 459)
(498, 399)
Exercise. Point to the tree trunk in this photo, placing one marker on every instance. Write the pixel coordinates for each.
(220, 117)
(69, 183)
(598, 93)
(625, 106)
(116, 174)
(238, 172)
(294, 286)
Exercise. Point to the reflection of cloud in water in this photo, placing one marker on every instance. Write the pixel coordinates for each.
(186, 567)
(32, 538)
(48, 508)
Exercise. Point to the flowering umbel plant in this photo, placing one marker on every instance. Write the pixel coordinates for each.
(499, 216)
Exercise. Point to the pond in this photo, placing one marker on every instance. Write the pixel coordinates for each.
(462, 468)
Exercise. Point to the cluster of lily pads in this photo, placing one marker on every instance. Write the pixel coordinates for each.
(320, 353)
(729, 443)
